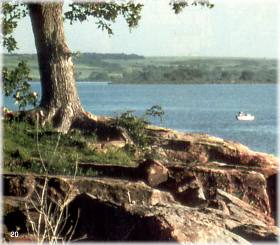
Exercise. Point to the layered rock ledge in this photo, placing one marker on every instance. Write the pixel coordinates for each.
(200, 189)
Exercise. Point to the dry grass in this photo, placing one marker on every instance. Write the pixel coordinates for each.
(50, 224)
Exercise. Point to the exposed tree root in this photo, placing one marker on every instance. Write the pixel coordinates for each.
(103, 127)
(63, 120)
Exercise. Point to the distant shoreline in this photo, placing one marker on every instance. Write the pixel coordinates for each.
(137, 69)
(157, 83)
(160, 57)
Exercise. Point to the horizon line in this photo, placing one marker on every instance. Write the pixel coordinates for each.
(161, 56)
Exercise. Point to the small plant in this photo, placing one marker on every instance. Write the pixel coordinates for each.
(155, 111)
(16, 85)
(53, 214)
(136, 125)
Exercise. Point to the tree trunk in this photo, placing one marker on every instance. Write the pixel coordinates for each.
(60, 104)
(60, 101)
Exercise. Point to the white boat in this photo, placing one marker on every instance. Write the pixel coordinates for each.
(242, 116)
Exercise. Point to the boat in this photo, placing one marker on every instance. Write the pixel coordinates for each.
(242, 116)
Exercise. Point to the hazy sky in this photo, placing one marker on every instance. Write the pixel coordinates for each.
(233, 28)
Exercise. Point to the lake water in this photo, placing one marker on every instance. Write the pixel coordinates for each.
(207, 109)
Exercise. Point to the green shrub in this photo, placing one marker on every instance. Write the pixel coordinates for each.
(16, 84)
(136, 125)
(155, 111)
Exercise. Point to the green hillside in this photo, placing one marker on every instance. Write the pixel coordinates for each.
(123, 68)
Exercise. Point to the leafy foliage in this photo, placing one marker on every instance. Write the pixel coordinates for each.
(136, 125)
(105, 13)
(11, 13)
(16, 85)
(155, 111)
(178, 6)
(15, 80)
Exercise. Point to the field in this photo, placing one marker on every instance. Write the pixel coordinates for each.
(122, 68)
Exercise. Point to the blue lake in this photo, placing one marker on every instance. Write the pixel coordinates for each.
(207, 109)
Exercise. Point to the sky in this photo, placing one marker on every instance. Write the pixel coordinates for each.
(233, 28)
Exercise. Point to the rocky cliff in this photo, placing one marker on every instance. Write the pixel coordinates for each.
(197, 188)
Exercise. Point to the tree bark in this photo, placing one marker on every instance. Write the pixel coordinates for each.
(60, 102)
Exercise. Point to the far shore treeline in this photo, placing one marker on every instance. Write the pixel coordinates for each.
(132, 68)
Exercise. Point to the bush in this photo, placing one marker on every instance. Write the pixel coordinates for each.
(136, 126)
(16, 85)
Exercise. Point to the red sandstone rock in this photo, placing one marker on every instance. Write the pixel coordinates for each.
(154, 173)
(219, 163)
(120, 210)
(215, 191)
